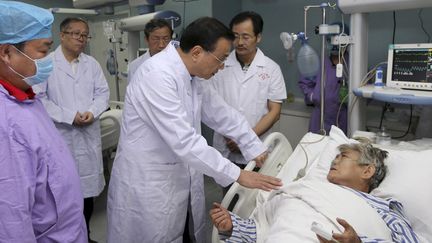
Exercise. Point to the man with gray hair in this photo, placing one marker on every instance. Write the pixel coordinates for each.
(158, 34)
(358, 167)
(368, 158)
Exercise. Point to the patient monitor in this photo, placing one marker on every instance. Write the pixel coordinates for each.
(410, 66)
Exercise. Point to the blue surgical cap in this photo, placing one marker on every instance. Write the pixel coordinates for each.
(23, 22)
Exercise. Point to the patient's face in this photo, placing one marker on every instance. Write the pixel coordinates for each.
(345, 169)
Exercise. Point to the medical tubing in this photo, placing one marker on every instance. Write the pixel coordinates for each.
(347, 95)
(369, 75)
(422, 25)
(394, 27)
(339, 109)
(363, 82)
(409, 124)
(384, 109)
(346, 69)
(302, 172)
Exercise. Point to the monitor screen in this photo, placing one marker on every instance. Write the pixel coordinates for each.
(410, 66)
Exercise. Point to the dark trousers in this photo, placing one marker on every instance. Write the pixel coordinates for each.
(188, 233)
(186, 236)
(88, 211)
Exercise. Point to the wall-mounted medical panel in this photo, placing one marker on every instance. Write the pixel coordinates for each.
(367, 6)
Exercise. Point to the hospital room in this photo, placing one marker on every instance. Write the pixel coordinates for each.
(216, 121)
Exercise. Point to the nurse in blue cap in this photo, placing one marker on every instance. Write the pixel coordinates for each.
(40, 195)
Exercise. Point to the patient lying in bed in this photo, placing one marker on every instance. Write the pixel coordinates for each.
(356, 170)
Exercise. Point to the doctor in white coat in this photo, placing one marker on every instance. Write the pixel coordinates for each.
(158, 34)
(251, 83)
(157, 176)
(75, 95)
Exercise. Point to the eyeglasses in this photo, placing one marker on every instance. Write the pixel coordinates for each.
(245, 37)
(165, 39)
(221, 62)
(77, 35)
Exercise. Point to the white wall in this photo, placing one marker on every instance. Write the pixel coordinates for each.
(194, 9)
(224, 10)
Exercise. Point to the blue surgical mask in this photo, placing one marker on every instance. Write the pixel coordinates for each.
(44, 67)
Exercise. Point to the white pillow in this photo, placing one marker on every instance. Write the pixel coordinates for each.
(321, 166)
(408, 178)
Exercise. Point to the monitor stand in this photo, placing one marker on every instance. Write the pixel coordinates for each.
(395, 95)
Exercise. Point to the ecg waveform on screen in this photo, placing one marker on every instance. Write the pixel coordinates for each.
(409, 70)
(412, 65)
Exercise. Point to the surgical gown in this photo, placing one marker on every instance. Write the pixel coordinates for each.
(40, 195)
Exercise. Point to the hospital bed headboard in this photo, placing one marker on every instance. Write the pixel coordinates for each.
(110, 128)
(241, 200)
(116, 104)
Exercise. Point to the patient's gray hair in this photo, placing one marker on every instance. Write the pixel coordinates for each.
(369, 155)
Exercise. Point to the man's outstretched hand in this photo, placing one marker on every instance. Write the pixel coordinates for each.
(251, 179)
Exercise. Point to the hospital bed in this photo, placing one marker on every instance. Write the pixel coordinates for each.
(110, 122)
(110, 128)
(408, 179)
(242, 200)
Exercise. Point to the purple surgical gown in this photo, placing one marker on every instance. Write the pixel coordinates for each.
(40, 195)
(312, 94)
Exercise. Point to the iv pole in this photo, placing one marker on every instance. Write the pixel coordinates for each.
(288, 39)
(323, 71)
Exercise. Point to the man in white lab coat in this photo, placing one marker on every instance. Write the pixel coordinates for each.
(250, 82)
(157, 176)
(75, 95)
(158, 34)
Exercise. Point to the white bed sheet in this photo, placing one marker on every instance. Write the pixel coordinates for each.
(327, 148)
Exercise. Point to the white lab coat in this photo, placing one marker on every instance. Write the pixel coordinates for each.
(248, 93)
(161, 156)
(63, 95)
(133, 66)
